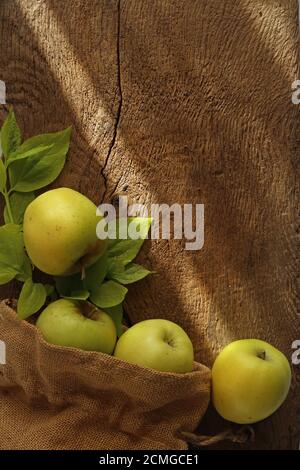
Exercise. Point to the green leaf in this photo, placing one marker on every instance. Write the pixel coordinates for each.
(95, 274)
(129, 274)
(108, 294)
(12, 253)
(18, 204)
(25, 150)
(124, 251)
(2, 176)
(116, 313)
(42, 168)
(10, 134)
(114, 266)
(32, 298)
(26, 270)
(7, 274)
(78, 295)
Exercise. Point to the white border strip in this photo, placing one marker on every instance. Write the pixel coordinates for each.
(2, 92)
(2, 101)
(2, 352)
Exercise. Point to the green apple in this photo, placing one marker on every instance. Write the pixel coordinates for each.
(157, 344)
(77, 324)
(250, 380)
(60, 232)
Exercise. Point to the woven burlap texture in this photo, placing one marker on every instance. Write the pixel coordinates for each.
(63, 398)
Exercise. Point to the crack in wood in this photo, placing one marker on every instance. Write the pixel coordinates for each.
(118, 115)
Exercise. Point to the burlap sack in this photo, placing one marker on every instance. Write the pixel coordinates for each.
(63, 398)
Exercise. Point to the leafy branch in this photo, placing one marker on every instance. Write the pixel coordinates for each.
(26, 167)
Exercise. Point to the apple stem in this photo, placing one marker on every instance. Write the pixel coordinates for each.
(90, 313)
(262, 355)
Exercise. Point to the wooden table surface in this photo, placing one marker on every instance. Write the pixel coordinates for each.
(186, 102)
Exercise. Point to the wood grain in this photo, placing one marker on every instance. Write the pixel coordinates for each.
(186, 102)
